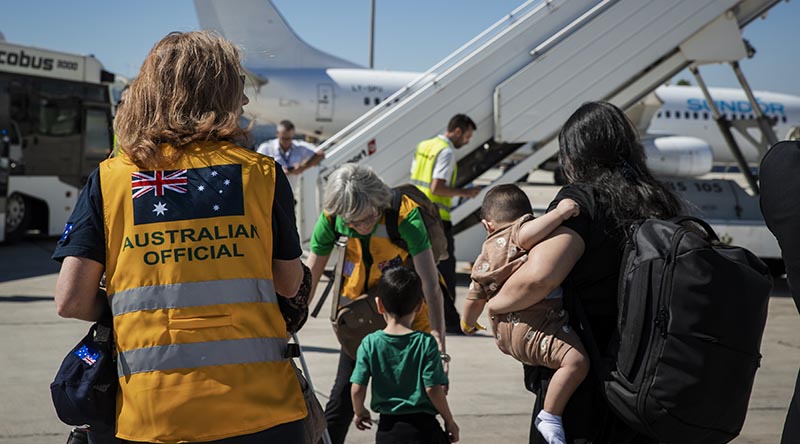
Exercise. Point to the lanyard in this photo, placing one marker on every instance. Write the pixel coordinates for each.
(285, 155)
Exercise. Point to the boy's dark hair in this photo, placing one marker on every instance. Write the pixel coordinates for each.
(505, 203)
(461, 121)
(400, 291)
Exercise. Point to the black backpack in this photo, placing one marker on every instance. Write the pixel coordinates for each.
(430, 216)
(691, 316)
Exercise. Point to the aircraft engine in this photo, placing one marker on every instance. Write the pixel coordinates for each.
(678, 156)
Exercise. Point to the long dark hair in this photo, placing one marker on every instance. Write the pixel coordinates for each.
(599, 146)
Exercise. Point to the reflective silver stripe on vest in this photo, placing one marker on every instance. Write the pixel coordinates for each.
(193, 294)
(442, 206)
(200, 354)
(421, 183)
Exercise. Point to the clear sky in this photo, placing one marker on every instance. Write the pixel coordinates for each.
(411, 35)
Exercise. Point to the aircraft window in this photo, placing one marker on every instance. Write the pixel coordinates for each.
(658, 115)
(752, 117)
(784, 119)
(377, 100)
(705, 116)
(366, 101)
(667, 113)
(686, 114)
(677, 114)
(696, 116)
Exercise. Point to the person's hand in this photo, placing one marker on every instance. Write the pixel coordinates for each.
(568, 208)
(495, 320)
(471, 192)
(470, 330)
(445, 366)
(452, 430)
(362, 420)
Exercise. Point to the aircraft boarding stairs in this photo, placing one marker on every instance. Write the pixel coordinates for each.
(520, 79)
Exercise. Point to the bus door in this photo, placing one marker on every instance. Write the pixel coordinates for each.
(5, 147)
(97, 137)
(5, 150)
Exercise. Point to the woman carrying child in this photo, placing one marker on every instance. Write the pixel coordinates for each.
(604, 163)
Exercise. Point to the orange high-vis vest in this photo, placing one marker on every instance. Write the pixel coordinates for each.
(358, 278)
(200, 338)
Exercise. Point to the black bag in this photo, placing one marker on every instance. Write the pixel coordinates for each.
(295, 310)
(691, 316)
(430, 216)
(84, 390)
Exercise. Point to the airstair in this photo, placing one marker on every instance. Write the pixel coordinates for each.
(520, 79)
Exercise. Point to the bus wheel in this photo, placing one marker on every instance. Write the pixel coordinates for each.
(19, 213)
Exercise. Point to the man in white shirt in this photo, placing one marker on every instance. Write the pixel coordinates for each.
(295, 156)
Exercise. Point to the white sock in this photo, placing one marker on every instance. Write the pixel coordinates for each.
(549, 425)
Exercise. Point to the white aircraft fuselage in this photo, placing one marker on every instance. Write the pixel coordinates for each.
(686, 112)
(321, 102)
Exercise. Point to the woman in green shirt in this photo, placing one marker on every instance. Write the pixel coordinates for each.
(356, 201)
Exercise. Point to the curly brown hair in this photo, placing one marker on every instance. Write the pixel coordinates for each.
(189, 89)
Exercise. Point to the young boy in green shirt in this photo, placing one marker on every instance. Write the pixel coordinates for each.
(408, 379)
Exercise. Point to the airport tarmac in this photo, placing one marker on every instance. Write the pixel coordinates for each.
(487, 396)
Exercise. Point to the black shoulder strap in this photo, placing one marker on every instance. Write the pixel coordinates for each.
(393, 219)
(332, 221)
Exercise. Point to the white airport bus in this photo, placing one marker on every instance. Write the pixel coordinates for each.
(55, 127)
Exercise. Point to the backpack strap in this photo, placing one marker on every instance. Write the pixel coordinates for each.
(332, 222)
(683, 220)
(393, 220)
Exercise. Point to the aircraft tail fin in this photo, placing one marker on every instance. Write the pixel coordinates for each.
(262, 33)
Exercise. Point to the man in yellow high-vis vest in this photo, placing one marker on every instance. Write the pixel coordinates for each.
(434, 172)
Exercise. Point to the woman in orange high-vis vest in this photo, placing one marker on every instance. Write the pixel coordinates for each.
(197, 238)
(356, 202)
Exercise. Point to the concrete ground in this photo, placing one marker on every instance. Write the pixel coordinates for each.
(486, 394)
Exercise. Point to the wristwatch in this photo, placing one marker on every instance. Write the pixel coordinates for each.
(445, 358)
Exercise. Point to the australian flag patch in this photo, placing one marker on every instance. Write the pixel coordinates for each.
(87, 355)
(67, 230)
(194, 193)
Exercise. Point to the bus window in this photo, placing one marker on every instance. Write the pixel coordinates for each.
(96, 93)
(59, 117)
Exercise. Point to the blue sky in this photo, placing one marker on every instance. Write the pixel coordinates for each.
(411, 35)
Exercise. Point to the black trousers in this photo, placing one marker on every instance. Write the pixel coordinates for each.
(452, 320)
(339, 409)
(791, 428)
(416, 428)
(587, 417)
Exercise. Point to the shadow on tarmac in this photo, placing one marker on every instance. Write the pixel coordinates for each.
(18, 298)
(326, 350)
(28, 258)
